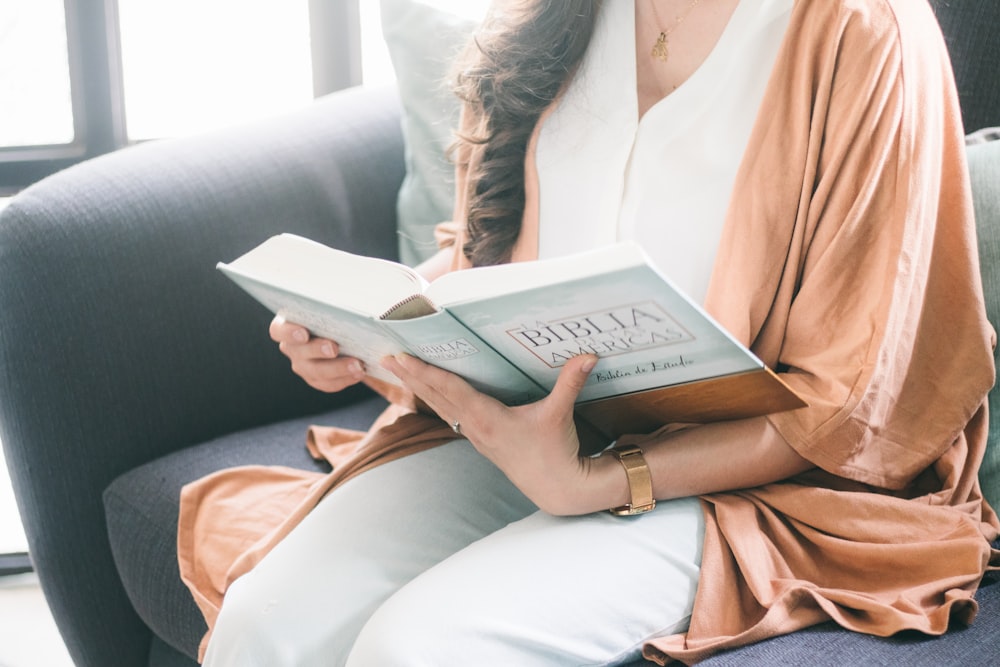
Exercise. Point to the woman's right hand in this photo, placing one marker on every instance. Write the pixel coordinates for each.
(315, 360)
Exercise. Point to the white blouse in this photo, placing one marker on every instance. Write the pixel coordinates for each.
(664, 181)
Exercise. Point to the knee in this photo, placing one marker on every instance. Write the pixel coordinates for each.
(244, 633)
(406, 635)
(255, 629)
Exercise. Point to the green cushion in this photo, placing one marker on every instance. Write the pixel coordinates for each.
(984, 168)
(423, 41)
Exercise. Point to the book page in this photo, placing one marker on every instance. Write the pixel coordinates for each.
(492, 281)
(357, 335)
(441, 340)
(364, 285)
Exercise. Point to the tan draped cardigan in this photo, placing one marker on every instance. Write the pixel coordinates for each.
(848, 262)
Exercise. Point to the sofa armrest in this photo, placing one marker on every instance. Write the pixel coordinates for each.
(120, 342)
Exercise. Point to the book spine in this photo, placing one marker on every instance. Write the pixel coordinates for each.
(441, 340)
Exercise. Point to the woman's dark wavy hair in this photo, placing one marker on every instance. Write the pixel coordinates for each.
(510, 73)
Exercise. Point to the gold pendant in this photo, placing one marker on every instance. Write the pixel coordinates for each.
(660, 51)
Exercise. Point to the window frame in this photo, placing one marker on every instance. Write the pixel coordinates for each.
(97, 92)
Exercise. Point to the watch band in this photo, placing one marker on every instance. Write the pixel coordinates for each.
(640, 482)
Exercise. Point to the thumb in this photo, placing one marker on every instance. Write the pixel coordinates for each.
(571, 380)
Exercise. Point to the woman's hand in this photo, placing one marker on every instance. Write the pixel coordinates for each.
(315, 360)
(535, 445)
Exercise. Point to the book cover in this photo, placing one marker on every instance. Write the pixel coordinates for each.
(510, 329)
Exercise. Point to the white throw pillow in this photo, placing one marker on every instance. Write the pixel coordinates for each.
(423, 42)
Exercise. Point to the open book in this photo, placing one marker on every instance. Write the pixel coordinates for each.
(509, 329)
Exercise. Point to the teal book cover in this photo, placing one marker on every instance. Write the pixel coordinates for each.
(509, 329)
(644, 331)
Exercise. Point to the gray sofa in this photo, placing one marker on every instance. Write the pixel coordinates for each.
(128, 366)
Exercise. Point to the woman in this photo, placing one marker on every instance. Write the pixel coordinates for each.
(797, 166)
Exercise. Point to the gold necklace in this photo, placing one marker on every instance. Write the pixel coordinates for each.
(660, 50)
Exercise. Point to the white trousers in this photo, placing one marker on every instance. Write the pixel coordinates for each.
(437, 559)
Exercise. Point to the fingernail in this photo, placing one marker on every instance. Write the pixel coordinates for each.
(357, 368)
(327, 349)
(300, 336)
(588, 366)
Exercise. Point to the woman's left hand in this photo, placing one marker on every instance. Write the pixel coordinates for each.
(535, 445)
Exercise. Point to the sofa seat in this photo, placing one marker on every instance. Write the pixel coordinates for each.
(141, 507)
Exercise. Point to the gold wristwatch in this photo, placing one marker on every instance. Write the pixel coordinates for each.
(640, 483)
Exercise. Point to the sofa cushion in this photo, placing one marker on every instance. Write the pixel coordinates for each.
(984, 169)
(423, 41)
(142, 505)
(982, 136)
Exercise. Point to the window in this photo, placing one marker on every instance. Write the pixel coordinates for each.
(36, 116)
(83, 77)
(12, 539)
(193, 65)
(37, 108)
